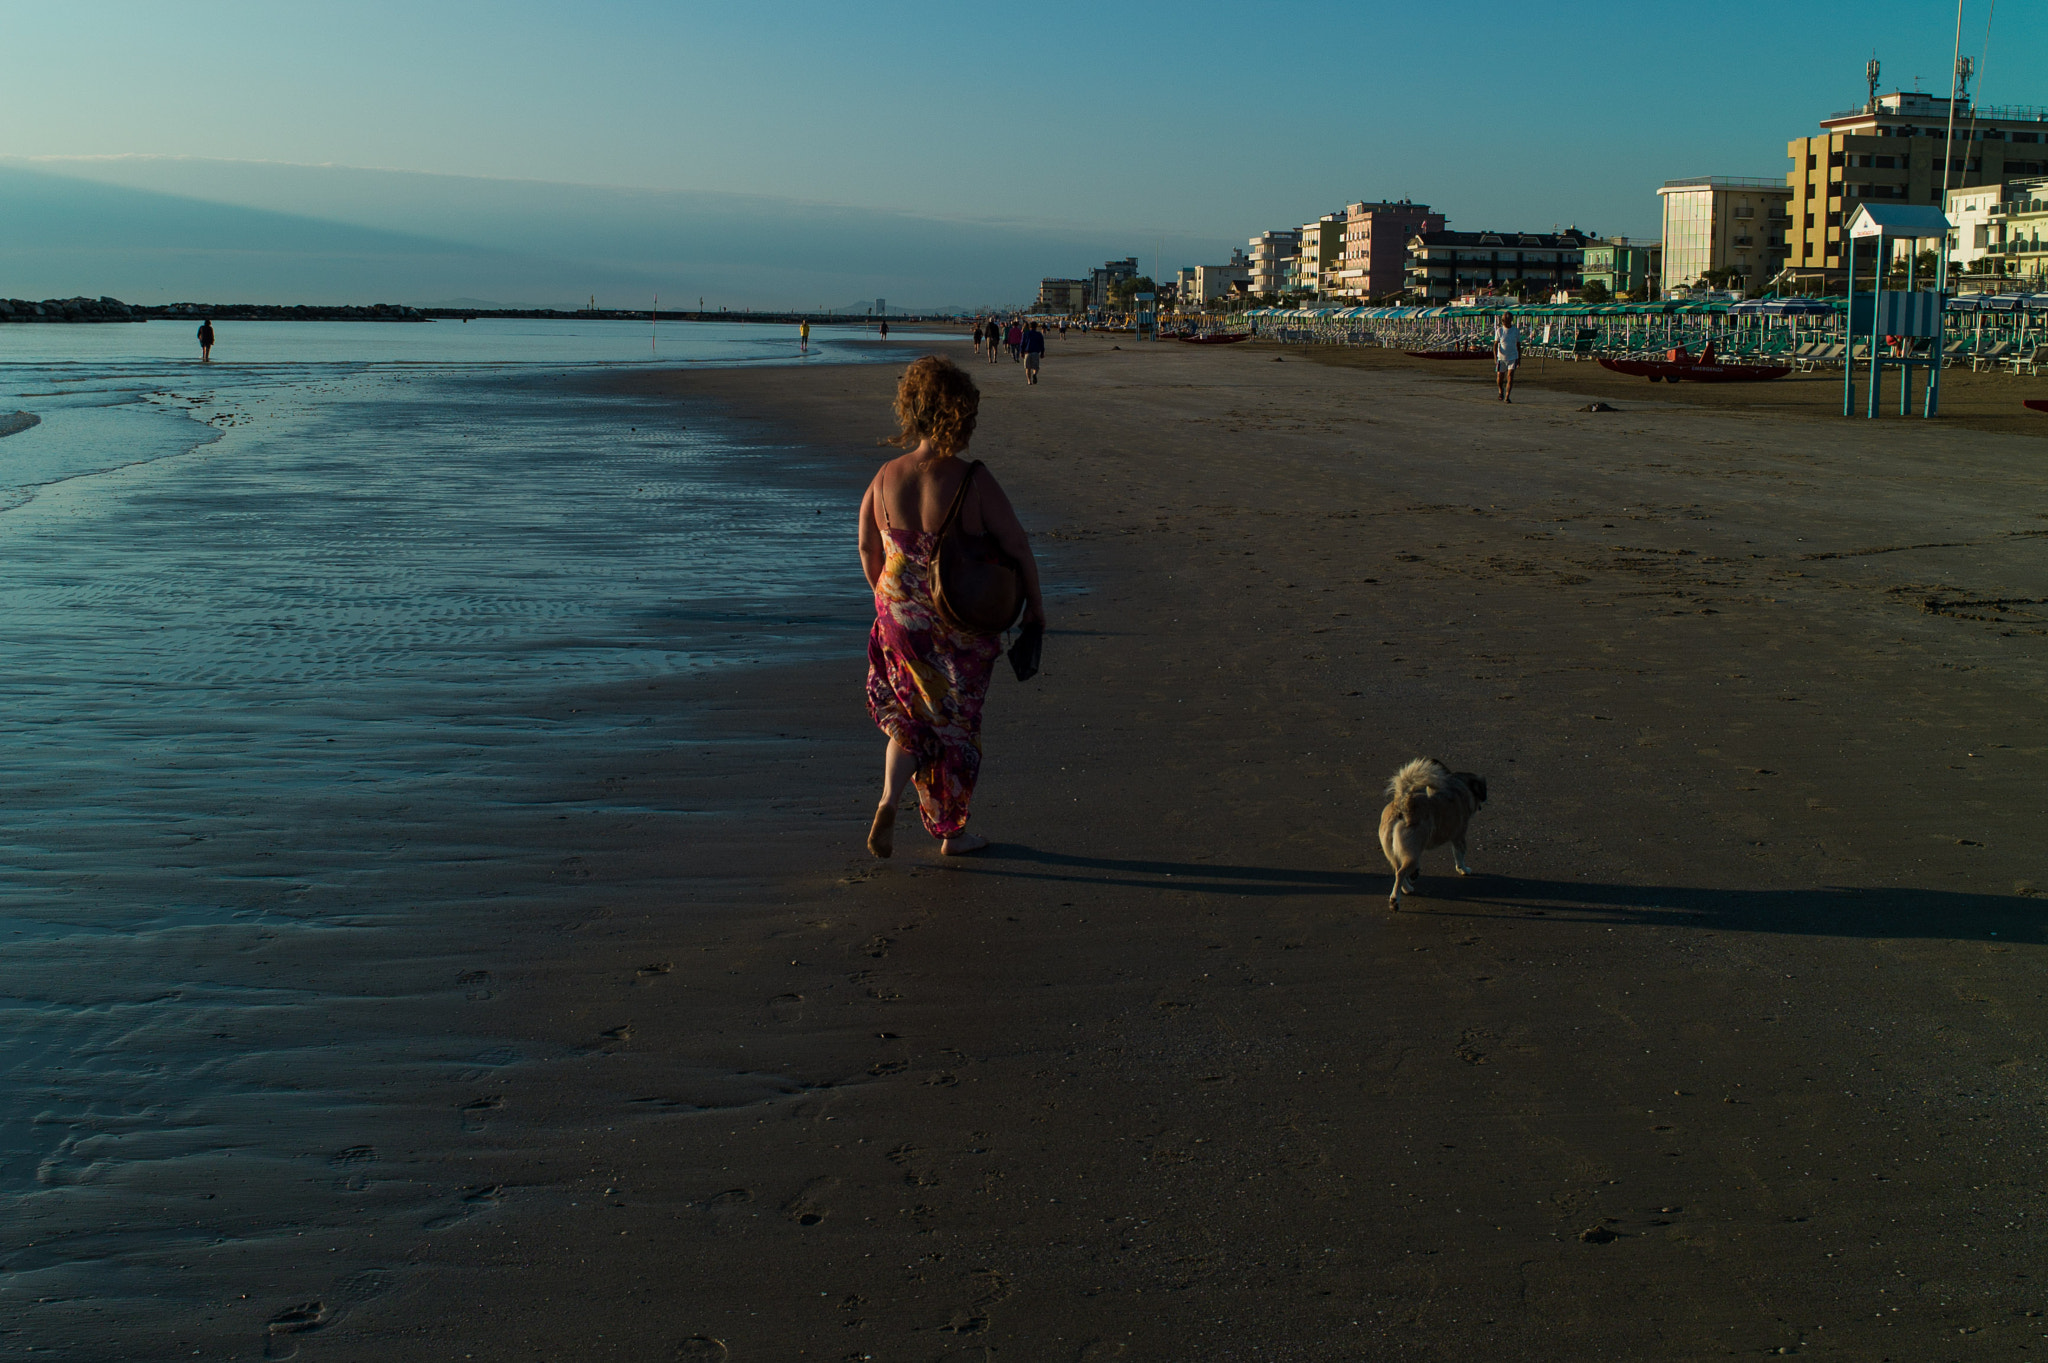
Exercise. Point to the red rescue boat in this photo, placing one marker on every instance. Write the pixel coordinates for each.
(2037, 404)
(1701, 368)
(1218, 338)
(1467, 354)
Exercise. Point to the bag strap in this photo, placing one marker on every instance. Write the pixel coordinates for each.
(953, 511)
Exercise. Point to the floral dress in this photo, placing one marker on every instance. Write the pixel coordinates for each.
(926, 682)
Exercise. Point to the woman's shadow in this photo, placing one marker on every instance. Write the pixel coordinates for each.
(1825, 910)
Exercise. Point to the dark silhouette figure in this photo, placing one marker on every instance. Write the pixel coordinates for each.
(206, 341)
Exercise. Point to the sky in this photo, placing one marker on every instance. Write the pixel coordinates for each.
(808, 154)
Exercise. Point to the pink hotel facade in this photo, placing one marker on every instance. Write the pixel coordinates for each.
(1376, 236)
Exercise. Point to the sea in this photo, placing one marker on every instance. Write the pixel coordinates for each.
(259, 619)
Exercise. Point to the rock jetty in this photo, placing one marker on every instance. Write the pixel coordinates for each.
(114, 310)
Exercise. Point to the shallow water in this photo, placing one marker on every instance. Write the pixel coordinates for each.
(266, 627)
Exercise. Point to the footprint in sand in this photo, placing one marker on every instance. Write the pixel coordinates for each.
(282, 1334)
(702, 1347)
(731, 1197)
(787, 1007)
(354, 1166)
(473, 1201)
(808, 1208)
(477, 1114)
(879, 947)
(478, 983)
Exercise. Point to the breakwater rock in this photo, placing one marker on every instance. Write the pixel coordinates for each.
(114, 310)
(69, 310)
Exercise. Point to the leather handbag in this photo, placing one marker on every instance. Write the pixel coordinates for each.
(975, 586)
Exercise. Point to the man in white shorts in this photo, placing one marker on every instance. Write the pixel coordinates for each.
(1507, 353)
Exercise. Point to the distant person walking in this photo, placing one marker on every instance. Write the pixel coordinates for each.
(926, 677)
(206, 341)
(1034, 351)
(885, 328)
(1014, 338)
(1507, 353)
(995, 340)
(803, 334)
(977, 335)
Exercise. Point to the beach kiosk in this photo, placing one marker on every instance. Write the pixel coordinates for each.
(1145, 315)
(1909, 314)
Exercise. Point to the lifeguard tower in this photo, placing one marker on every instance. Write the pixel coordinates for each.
(1908, 314)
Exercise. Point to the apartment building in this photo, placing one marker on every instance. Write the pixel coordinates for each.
(1442, 265)
(1207, 283)
(1376, 236)
(1896, 148)
(1272, 253)
(1999, 230)
(1321, 250)
(1624, 265)
(1102, 280)
(1061, 295)
(1724, 223)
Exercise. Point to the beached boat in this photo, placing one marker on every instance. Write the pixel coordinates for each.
(1701, 368)
(2038, 404)
(1469, 353)
(1218, 338)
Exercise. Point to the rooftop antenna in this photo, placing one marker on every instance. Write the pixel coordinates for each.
(1949, 160)
(1964, 70)
(1870, 70)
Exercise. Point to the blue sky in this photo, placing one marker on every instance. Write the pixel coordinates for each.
(1031, 131)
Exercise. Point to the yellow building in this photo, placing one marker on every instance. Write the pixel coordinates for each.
(1892, 151)
(1320, 253)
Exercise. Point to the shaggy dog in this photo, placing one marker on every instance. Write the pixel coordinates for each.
(1428, 805)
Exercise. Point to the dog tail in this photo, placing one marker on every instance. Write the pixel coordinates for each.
(1423, 776)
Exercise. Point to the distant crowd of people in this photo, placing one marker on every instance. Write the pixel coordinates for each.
(1024, 339)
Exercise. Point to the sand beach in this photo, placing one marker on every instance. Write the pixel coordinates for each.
(573, 1021)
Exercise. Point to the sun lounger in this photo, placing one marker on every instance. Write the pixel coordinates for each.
(2026, 362)
(1991, 358)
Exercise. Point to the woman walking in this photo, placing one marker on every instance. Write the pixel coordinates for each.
(926, 678)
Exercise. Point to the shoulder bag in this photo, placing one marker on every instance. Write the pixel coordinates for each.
(975, 586)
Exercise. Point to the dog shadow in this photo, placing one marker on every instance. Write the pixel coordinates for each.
(1825, 910)
(1822, 910)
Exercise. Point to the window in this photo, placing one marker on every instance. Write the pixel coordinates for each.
(1812, 161)
(1809, 221)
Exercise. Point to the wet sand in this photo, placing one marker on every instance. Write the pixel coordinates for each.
(1732, 1046)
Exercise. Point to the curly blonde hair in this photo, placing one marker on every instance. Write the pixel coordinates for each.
(936, 401)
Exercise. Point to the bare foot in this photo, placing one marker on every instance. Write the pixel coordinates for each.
(882, 833)
(961, 844)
